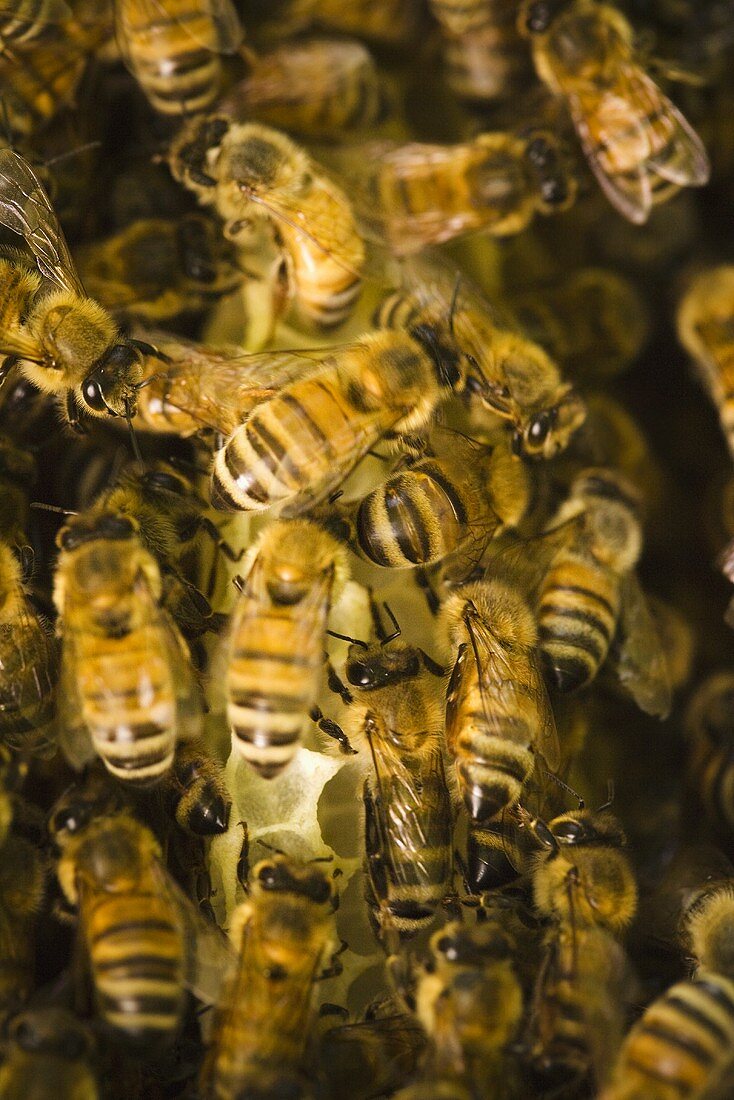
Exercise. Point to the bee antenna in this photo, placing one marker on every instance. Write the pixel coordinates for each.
(52, 508)
(133, 437)
(74, 152)
(396, 626)
(565, 786)
(454, 300)
(346, 638)
(610, 796)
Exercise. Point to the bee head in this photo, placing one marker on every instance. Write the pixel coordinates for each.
(536, 16)
(109, 386)
(281, 875)
(462, 945)
(196, 250)
(377, 666)
(109, 526)
(583, 829)
(548, 432)
(546, 162)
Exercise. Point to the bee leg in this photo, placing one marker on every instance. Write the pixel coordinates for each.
(27, 557)
(335, 968)
(73, 415)
(243, 860)
(332, 729)
(332, 1010)
(337, 685)
(423, 582)
(432, 666)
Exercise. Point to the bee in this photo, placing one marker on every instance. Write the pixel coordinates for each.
(158, 269)
(594, 322)
(39, 83)
(484, 56)
(376, 1054)
(470, 1002)
(173, 48)
(296, 447)
(318, 88)
(709, 723)
(415, 195)
(387, 22)
(49, 1054)
(62, 341)
(459, 494)
(283, 934)
(254, 175)
(587, 595)
(637, 143)
(135, 929)
(28, 665)
(126, 678)
(498, 716)
(681, 1046)
(276, 644)
(705, 326)
(197, 791)
(22, 888)
(513, 377)
(396, 712)
(24, 21)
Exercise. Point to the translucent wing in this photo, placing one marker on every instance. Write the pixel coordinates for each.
(639, 657)
(525, 562)
(28, 666)
(506, 689)
(148, 24)
(25, 208)
(74, 737)
(413, 808)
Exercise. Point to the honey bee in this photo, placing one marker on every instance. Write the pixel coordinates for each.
(707, 923)
(22, 887)
(389, 22)
(513, 377)
(252, 175)
(283, 934)
(705, 326)
(135, 929)
(126, 680)
(498, 716)
(709, 724)
(62, 341)
(23, 21)
(415, 195)
(28, 665)
(484, 56)
(318, 88)
(173, 48)
(470, 1002)
(594, 322)
(375, 1054)
(190, 389)
(296, 447)
(637, 143)
(37, 85)
(275, 649)
(49, 1054)
(157, 269)
(197, 791)
(681, 1046)
(395, 713)
(460, 494)
(587, 594)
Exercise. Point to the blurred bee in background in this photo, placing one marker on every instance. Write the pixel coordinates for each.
(412, 196)
(706, 330)
(709, 723)
(126, 678)
(380, 1052)
(681, 1045)
(62, 341)
(173, 48)
(136, 931)
(254, 175)
(48, 1053)
(40, 82)
(587, 594)
(22, 889)
(387, 22)
(484, 55)
(157, 269)
(298, 446)
(396, 716)
(594, 322)
(458, 495)
(283, 935)
(637, 143)
(190, 389)
(319, 88)
(275, 649)
(498, 715)
(513, 377)
(23, 21)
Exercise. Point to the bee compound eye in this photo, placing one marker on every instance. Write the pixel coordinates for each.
(93, 395)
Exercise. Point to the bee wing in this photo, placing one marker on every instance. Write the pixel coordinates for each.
(51, 13)
(25, 208)
(503, 697)
(210, 958)
(413, 811)
(639, 657)
(525, 562)
(214, 25)
(189, 702)
(74, 737)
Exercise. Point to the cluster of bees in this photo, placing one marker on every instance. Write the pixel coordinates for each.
(363, 528)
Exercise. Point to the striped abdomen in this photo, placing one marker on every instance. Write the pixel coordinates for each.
(27, 680)
(577, 618)
(173, 56)
(326, 277)
(274, 673)
(493, 761)
(712, 770)
(682, 1046)
(36, 89)
(128, 701)
(136, 953)
(490, 63)
(419, 516)
(292, 444)
(23, 20)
